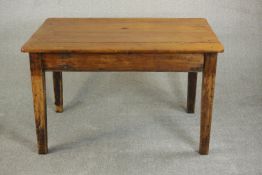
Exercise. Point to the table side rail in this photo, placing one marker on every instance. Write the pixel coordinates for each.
(123, 62)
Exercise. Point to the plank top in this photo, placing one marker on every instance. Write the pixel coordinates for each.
(123, 35)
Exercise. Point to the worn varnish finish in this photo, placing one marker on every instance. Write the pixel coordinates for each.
(138, 44)
(58, 91)
(39, 96)
(123, 62)
(185, 35)
(207, 95)
(191, 91)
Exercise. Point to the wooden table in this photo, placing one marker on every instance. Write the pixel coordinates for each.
(141, 45)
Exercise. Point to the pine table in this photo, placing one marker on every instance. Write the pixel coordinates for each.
(123, 44)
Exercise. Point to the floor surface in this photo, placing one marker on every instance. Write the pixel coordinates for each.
(127, 123)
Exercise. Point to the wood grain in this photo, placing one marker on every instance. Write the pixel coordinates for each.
(208, 87)
(39, 97)
(123, 44)
(123, 35)
(123, 62)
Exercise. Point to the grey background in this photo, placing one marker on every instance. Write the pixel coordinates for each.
(134, 123)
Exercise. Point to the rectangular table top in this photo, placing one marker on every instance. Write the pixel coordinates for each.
(124, 35)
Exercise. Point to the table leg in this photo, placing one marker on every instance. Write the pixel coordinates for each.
(58, 91)
(191, 91)
(208, 85)
(39, 97)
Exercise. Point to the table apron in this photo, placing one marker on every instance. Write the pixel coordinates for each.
(122, 62)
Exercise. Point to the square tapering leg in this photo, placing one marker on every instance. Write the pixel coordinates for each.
(207, 95)
(39, 97)
(191, 91)
(58, 91)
